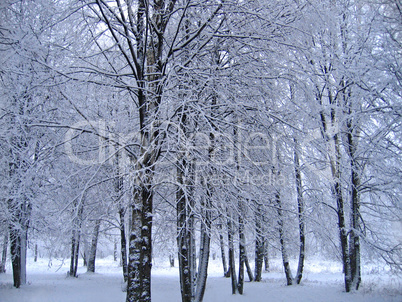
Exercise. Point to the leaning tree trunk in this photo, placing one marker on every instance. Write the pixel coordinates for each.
(248, 267)
(94, 244)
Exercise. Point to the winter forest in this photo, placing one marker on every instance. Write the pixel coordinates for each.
(222, 149)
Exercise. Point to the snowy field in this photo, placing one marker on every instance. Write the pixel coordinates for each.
(322, 281)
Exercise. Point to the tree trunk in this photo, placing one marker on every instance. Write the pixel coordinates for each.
(300, 207)
(71, 273)
(232, 267)
(184, 237)
(204, 248)
(259, 244)
(285, 259)
(171, 260)
(337, 191)
(115, 251)
(24, 247)
(248, 267)
(84, 257)
(266, 258)
(18, 239)
(242, 251)
(36, 253)
(223, 255)
(123, 244)
(15, 249)
(75, 238)
(92, 252)
(4, 254)
(140, 246)
(354, 238)
(118, 189)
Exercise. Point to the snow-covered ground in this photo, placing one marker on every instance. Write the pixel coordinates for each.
(322, 281)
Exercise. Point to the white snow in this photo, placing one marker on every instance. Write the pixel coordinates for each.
(322, 281)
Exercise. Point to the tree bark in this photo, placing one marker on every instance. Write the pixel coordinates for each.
(72, 256)
(354, 238)
(223, 254)
(300, 208)
(76, 237)
(259, 244)
(242, 249)
(115, 252)
(248, 267)
(266, 258)
(140, 247)
(36, 253)
(204, 248)
(285, 258)
(18, 239)
(184, 238)
(15, 249)
(232, 266)
(4, 254)
(123, 244)
(171, 260)
(94, 244)
(337, 191)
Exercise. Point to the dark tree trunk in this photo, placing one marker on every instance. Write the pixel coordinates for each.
(118, 188)
(94, 243)
(171, 260)
(4, 254)
(285, 259)
(184, 238)
(232, 266)
(354, 238)
(204, 248)
(242, 255)
(259, 244)
(115, 252)
(300, 207)
(140, 246)
(123, 244)
(76, 253)
(75, 239)
(248, 267)
(73, 242)
(266, 258)
(337, 191)
(15, 249)
(84, 258)
(223, 254)
(36, 253)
